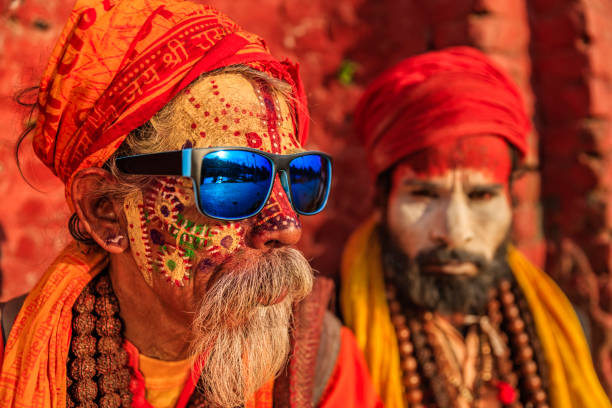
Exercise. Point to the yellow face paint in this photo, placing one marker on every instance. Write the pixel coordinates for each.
(139, 237)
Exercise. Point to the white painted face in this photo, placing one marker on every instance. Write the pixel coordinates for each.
(460, 208)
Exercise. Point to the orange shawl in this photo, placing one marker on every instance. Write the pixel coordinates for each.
(34, 368)
(573, 381)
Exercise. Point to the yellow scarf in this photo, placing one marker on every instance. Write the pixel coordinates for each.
(573, 381)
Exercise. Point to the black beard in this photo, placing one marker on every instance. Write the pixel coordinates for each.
(443, 293)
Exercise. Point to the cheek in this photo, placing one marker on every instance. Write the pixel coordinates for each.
(171, 238)
(223, 239)
(409, 222)
(491, 223)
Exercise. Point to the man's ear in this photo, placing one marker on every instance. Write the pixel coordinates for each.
(99, 214)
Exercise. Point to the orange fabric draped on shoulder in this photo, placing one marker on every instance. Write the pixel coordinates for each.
(34, 367)
(350, 384)
(118, 62)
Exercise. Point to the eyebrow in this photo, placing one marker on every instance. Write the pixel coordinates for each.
(420, 183)
(432, 185)
(492, 186)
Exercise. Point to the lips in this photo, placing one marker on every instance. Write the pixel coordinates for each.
(452, 268)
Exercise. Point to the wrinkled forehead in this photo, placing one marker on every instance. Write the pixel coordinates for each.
(230, 110)
(485, 157)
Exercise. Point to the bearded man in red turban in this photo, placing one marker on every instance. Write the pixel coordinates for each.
(179, 139)
(447, 311)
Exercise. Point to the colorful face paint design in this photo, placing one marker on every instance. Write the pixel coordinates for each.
(229, 110)
(277, 214)
(138, 234)
(225, 239)
(167, 239)
(484, 153)
(165, 203)
(167, 234)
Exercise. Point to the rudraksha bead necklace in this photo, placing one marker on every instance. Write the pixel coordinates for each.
(426, 372)
(98, 371)
(98, 375)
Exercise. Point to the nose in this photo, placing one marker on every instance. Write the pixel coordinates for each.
(456, 229)
(277, 225)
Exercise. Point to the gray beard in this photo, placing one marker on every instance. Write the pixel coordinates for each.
(242, 330)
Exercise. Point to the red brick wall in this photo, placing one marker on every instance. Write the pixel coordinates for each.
(558, 51)
(572, 50)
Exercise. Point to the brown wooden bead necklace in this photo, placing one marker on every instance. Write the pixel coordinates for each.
(97, 366)
(427, 377)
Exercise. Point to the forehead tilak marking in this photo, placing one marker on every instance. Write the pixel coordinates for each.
(272, 114)
(485, 153)
(231, 110)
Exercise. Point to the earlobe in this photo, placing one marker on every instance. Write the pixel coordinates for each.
(99, 214)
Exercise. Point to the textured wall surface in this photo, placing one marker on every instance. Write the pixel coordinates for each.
(33, 222)
(572, 50)
(558, 51)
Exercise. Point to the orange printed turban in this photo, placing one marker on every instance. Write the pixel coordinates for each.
(118, 62)
(435, 98)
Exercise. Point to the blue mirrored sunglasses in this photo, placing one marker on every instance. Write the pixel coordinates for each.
(233, 183)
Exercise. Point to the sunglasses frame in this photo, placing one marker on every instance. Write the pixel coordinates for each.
(188, 163)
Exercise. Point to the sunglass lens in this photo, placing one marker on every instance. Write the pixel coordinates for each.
(235, 183)
(310, 179)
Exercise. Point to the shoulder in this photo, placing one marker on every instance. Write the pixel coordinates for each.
(349, 384)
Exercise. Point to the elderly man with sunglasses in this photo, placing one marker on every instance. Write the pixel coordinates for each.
(179, 139)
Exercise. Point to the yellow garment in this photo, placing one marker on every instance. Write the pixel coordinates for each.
(573, 382)
(164, 380)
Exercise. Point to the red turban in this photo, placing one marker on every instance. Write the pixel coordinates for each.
(438, 97)
(118, 62)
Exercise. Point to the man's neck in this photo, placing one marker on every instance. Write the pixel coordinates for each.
(155, 329)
